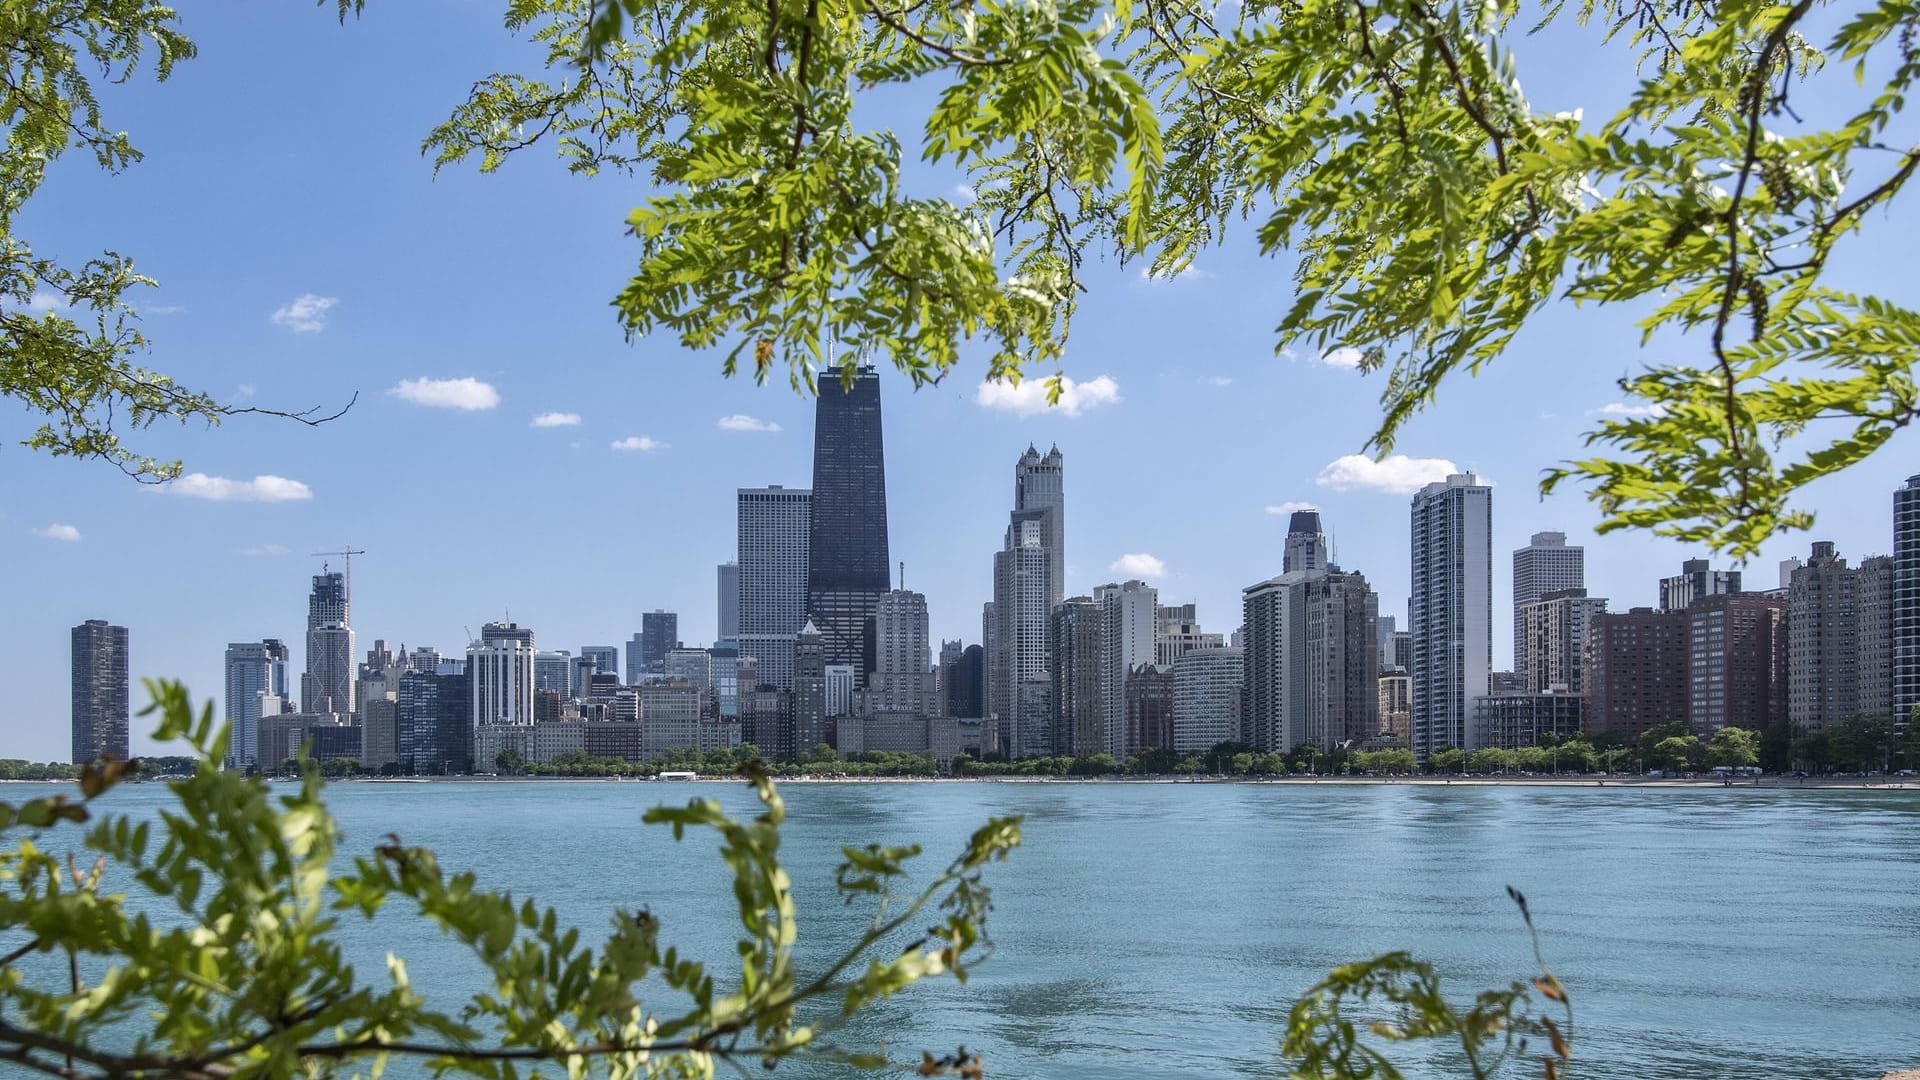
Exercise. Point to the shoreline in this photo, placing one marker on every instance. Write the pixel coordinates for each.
(1905, 784)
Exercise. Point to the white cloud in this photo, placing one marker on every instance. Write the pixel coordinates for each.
(243, 391)
(66, 534)
(468, 394)
(221, 489)
(264, 549)
(1622, 408)
(557, 419)
(1218, 380)
(306, 313)
(1189, 272)
(44, 302)
(743, 422)
(1341, 356)
(1396, 474)
(1030, 396)
(965, 193)
(1138, 564)
(643, 443)
(1286, 508)
(162, 309)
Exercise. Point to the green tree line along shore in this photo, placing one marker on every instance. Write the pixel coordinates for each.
(1860, 745)
(1384, 145)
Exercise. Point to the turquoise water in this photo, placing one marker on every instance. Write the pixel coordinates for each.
(1163, 930)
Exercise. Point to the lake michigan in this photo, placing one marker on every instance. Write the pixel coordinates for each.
(1165, 929)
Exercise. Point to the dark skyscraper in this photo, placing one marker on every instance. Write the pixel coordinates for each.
(659, 634)
(99, 691)
(847, 561)
(729, 595)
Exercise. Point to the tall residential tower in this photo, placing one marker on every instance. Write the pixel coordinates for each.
(1547, 564)
(1450, 612)
(99, 691)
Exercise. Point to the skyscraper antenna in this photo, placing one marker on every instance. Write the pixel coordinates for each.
(903, 575)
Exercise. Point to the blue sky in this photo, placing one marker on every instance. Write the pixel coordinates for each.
(305, 252)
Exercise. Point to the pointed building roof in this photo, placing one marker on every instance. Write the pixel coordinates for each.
(809, 628)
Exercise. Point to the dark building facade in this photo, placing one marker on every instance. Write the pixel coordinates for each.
(99, 691)
(1149, 708)
(847, 561)
(1737, 662)
(435, 723)
(809, 689)
(659, 634)
(1073, 661)
(1637, 673)
(966, 690)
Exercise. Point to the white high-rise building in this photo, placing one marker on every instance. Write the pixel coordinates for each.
(1450, 613)
(691, 665)
(1039, 483)
(1017, 663)
(1553, 640)
(774, 524)
(327, 685)
(1547, 564)
(1128, 615)
(1696, 581)
(1177, 632)
(500, 675)
(1206, 698)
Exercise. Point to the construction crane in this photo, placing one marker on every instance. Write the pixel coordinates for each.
(347, 554)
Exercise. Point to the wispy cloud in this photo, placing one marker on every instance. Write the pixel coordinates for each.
(243, 391)
(306, 313)
(221, 489)
(743, 422)
(263, 549)
(163, 309)
(1623, 408)
(1341, 356)
(1189, 272)
(44, 302)
(66, 534)
(557, 419)
(643, 443)
(965, 193)
(468, 394)
(1218, 380)
(1138, 564)
(1396, 474)
(1286, 508)
(1030, 396)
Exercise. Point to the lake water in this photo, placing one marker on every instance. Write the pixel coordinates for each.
(1164, 929)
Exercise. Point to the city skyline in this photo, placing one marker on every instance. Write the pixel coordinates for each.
(500, 338)
(322, 598)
